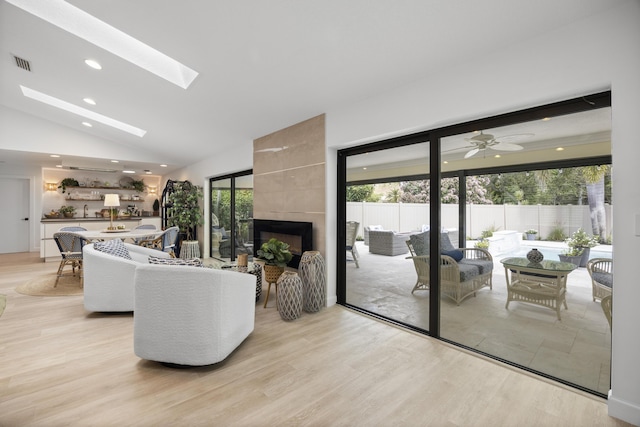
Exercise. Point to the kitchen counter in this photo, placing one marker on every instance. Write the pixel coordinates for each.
(92, 219)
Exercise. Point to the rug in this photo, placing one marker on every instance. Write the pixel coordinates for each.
(42, 286)
(3, 303)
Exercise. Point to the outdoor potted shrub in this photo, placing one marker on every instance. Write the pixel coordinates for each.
(482, 244)
(581, 240)
(531, 234)
(572, 255)
(275, 254)
(67, 211)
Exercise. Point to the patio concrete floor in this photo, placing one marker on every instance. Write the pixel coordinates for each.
(576, 349)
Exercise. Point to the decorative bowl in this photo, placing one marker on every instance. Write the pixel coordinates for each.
(52, 216)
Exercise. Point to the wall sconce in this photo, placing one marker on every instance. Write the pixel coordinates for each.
(152, 189)
(50, 186)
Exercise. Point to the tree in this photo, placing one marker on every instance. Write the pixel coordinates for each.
(418, 191)
(594, 179)
(361, 193)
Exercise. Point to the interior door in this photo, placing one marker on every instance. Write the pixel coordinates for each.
(15, 215)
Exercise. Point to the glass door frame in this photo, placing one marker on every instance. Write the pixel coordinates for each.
(434, 137)
(232, 188)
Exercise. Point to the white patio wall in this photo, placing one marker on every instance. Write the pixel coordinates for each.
(411, 216)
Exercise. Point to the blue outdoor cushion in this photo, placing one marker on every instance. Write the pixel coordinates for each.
(456, 254)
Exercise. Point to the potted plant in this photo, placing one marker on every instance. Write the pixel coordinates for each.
(68, 182)
(572, 255)
(275, 254)
(531, 234)
(138, 185)
(482, 244)
(581, 240)
(67, 211)
(184, 210)
(156, 207)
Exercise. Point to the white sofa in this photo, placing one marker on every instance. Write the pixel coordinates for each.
(191, 315)
(108, 279)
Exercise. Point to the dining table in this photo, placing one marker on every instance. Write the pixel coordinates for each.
(96, 235)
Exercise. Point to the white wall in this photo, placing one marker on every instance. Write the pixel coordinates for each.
(585, 57)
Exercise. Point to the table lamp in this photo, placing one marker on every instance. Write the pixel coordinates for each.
(111, 201)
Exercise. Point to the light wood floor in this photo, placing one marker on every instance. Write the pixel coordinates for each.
(63, 366)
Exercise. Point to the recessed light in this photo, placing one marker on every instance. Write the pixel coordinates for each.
(163, 166)
(54, 155)
(497, 156)
(87, 124)
(89, 101)
(546, 119)
(58, 103)
(81, 24)
(148, 172)
(560, 149)
(93, 64)
(58, 166)
(115, 161)
(445, 162)
(128, 171)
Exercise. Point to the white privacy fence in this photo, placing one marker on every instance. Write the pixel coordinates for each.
(411, 216)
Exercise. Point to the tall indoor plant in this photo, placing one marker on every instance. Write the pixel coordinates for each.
(184, 210)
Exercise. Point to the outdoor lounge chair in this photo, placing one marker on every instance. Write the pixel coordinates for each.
(458, 279)
(352, 234)
(601, 273)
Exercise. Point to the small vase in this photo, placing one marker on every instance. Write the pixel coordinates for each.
(535, 256)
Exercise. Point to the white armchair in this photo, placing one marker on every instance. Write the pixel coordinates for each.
(108, 279)
(191, 315)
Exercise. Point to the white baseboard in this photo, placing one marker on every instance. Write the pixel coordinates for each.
(623, 410)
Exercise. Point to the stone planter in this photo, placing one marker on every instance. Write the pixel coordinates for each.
(585, 257)
(572, 259)
(531, 236)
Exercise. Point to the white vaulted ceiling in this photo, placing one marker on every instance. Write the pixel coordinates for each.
(262, 65)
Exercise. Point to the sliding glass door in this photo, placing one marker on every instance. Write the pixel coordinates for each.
(494, 189)
(231, 216)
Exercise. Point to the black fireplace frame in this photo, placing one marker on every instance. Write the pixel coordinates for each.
(294, 228)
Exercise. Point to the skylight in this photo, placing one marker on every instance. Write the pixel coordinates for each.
(64, 105)
(88, 27)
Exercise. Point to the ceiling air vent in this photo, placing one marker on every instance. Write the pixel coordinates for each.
(22, 63)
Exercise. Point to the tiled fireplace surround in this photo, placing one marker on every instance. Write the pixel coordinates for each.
(289, 176)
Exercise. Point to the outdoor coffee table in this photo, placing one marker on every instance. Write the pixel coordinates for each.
(543, 283)
(251, 268)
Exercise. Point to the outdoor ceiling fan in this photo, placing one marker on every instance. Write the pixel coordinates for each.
(482, 141)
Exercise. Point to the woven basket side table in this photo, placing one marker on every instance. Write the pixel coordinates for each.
(289, 295)
(314, 281)
(251, 268)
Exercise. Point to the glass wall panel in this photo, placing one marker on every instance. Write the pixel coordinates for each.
(231, 216)
(541, 315)
(387, 200)
(221, 224)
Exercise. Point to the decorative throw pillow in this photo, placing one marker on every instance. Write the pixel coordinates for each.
(193, 262)
(456, 254)
(113, 247)
(420, 243)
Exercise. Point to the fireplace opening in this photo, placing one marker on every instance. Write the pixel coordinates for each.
(297, 234)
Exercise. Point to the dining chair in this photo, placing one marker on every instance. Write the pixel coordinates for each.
(143, 227)
(166, 242)
(70, 246)
(352, 234)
